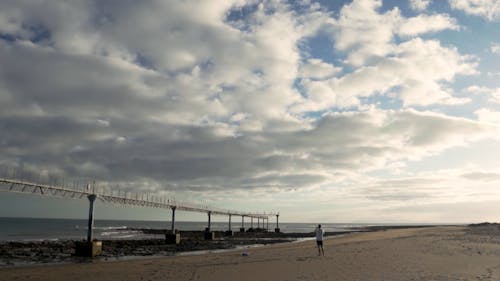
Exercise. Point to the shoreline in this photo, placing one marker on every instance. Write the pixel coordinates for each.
(32, 253)
(29, 253)
(466, 252)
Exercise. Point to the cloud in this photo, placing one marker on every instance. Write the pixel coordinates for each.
(495, 48)
(493, 94)
(317, 69)
(365, 34)
(220, 117)
(488, 9)
(424, 24)
(197, 158)
(416, 75)
(151, 96)
(487, 115)
(482, 176)
(419, 5)
(413, 70)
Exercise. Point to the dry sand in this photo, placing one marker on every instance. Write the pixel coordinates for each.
(437, 253)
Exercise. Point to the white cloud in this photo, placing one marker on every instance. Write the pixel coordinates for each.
(489, 9)
(320, 96)
(318, 69)
(364, 33)
(417, 75)
(419, 5)
(487, 115)
(493, 94)
(424, 24)
(478, 90)
(416, 71)
(495, 48)
(493, 74)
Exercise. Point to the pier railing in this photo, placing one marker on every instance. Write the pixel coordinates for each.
(127, 198)
(123, 198)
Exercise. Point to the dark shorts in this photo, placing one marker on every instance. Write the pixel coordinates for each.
(319, 243)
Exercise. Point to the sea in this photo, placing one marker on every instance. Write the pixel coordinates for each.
(44, 229)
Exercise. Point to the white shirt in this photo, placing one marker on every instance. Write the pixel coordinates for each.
(319, 234)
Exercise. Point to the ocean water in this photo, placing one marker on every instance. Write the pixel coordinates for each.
(37, 229)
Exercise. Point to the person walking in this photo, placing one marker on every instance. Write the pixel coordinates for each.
(319, 240)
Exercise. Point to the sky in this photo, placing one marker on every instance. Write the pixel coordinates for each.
(323, 111)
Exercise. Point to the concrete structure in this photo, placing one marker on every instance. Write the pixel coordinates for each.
(209, 235)
(172, 238)
(88, 249)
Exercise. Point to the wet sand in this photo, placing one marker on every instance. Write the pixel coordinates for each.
(434, 253)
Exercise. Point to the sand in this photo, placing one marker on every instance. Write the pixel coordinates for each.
(434, 253)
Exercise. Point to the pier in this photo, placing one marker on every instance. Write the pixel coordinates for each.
(90, 192)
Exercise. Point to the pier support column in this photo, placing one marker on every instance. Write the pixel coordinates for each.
(229, 232)
(173, 220)
(90, 248)
(209, 220)
(90, 228)
(251, 223)
(209, 235)
(242, 228)
(277, 229)
(267, 224)
(173, 237)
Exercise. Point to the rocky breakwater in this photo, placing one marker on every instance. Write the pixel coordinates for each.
(62, 251)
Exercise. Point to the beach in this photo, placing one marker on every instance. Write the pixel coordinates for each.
(432, 253)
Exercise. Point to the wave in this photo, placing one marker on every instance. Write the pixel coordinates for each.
(41, 240)
(125, 236)
(103, 227)
(110, 227)
(111, 233)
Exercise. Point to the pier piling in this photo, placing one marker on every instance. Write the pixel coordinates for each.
(173, 219)
(277, 229)
(90, 248)
(90, 228)
(209, 234)
(242, 228)
(173, 237)
(229, 232)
